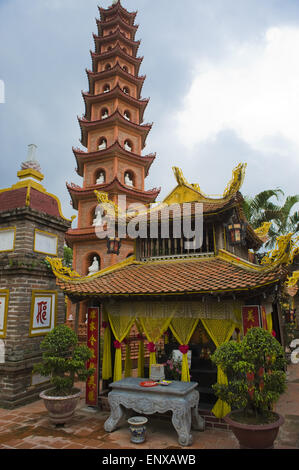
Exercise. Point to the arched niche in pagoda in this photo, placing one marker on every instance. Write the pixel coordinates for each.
(128, 145)
(102, 143)
(129, 178)
(104, 113)
(100, 176)
(92, 263)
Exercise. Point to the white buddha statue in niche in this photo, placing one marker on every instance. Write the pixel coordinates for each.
(128, 179)
(103, 144)
(105, 114)
(94, 268)
(97, 221)
(101, 178)
(127, 146)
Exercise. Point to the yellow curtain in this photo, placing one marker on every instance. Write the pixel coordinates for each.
(154, 329)
(128, 361)
(140, 372)
(220, 332)
(121, 326)
(107, 362)
(183, 329)
(269, 322)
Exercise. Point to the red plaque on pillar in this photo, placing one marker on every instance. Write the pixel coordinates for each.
(92, 384)
(251, 317)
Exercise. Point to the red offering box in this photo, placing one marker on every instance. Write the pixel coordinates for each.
(148, 383)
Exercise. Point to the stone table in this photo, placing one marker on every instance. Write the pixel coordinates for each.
(179, 397)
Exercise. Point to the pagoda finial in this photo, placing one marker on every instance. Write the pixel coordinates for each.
(31, 166)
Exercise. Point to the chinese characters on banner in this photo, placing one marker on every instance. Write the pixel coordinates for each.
(251, 317)
(43, 312)
(92, 384)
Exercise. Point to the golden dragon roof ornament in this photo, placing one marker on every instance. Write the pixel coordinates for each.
(286, 248)
(237, 180)
(232, 187)
(263, 230)
(61, 271)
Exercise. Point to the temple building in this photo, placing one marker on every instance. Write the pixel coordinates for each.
(32, 227)
(114, 137)
(193, 297)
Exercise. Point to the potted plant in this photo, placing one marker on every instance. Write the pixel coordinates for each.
(63, 361)
(255, 370)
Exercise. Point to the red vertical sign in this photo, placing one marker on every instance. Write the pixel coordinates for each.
(250, 317)
(92, 384)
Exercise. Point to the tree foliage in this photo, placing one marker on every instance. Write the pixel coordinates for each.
(63, 360)
(255, 372)
(261, 208)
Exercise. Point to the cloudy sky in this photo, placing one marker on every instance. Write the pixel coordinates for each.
(222, 75)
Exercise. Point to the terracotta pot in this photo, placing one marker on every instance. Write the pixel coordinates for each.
(255, 436)
(61, 409)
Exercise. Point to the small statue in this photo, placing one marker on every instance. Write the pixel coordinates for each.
(127, 116)
(101, 178)
(105, 114)
(103, 145)
(128, 146)
(95, 267)
(128, 179)
(97, 221)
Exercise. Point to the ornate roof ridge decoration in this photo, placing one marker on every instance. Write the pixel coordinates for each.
(66, 274)
(263, 230)
(286, 248)
(232, 187)
(108, 206)
(61, 271)
(292, 280)
(237, 180)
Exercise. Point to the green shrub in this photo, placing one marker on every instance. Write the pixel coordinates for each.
(63, 360)
(255, 369)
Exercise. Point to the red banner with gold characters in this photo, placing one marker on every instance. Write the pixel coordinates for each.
(92, 384)
(251, 317)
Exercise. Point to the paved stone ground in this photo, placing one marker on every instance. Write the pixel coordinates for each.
(28, 427)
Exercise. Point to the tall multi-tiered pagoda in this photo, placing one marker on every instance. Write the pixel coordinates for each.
(113, 133)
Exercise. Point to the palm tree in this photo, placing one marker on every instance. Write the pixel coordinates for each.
(260, 209)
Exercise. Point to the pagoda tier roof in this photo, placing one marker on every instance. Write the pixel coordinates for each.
(116, 92)
(117, 19)
(117, 35)
(116, 70)
(224, 273)
(142, 129)
(80, 234)
(116, 51)
(115, 149)
(115, 186)
(117, 9)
